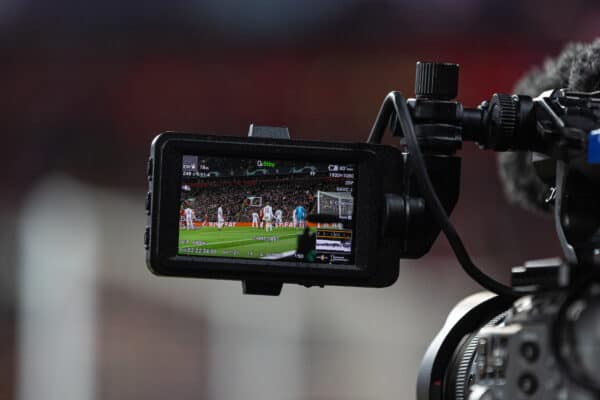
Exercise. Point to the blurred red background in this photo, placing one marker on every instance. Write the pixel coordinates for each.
(86, 86)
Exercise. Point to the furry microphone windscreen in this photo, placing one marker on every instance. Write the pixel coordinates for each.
(576, 68)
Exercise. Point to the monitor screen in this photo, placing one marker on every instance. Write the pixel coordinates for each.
(267, 209)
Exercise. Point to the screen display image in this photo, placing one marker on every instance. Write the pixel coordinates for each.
(259, 209)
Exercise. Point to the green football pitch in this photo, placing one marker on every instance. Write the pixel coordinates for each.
(240, 242)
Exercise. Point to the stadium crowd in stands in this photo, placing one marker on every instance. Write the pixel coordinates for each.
(236, 203)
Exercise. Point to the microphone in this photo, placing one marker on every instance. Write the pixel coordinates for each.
(576, 68)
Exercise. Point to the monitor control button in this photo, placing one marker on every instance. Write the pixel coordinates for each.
(148, 202)
(149, 169)
(147, 238)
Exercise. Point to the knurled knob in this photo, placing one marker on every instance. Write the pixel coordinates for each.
(504, 111)
(436, 80)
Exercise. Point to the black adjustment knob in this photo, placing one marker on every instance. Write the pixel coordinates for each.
(530, 351)
(503, 110)
(528, 383)
(436, 80)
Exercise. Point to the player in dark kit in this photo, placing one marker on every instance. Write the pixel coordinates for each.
(260, 217)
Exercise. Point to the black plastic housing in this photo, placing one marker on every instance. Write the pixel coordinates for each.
(379, 172)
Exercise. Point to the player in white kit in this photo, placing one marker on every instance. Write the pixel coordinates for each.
(255, 220)
(220, 219)
(268, 217)
(278, 218)
(189, 218)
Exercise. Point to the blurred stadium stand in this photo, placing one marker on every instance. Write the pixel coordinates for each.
(86, 85)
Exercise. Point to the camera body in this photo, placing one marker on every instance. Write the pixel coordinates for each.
(532, 340)
(491, 349)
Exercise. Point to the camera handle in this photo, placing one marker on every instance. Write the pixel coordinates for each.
(260, 287)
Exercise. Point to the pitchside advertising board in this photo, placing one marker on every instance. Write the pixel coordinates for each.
(256, 208)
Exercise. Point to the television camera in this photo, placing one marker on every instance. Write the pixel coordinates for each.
(267, 210)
